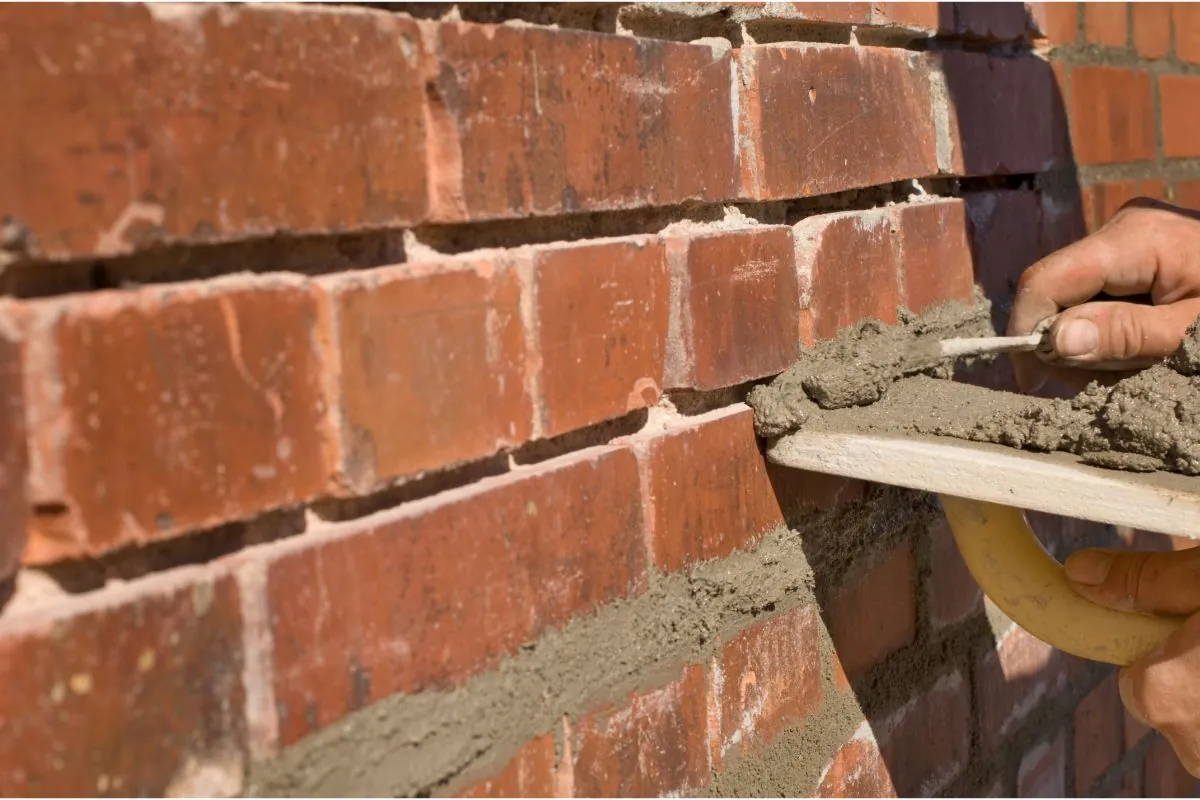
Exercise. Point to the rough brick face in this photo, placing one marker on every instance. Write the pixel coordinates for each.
(767, 679)
(602, 331)
(1042, 772)
(953, 593)
(473, 574)
(1152, 29)
(1099, 733)
(710, 490)
(563, 121)
(1180, 117)
(1186, 25)
(131, 694)
(1105, 24)
(529, 774)
(433, 365)
(820, 120)
(14, 461)
(848, 269)
(857, 769)
(1013, 680)
(876, 613)
(927, 743)
(175, 409)
(738, 309)
(935, 254)
(1112, 115)
(653, 746)
(121, 137)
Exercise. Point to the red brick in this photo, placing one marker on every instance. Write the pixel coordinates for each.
(935, 254)
(710, 490)
(1165, 776)
(928, 18)
(1102, 200)
(848, 266)
(439, 347)
(876, 613)
(473, 573)
(1013, 680)
(564, 121)
(953, 593)
(927, 742)
(121, 145)
(834, 13)
(1099, 733)
(1043, 772)
(1106, 23)
(159, 411)
(767, 679)
(816, 120)
(1056, 22)
(1134, 731)
(857, 769)
(1002, 116)
(998, 22)
(1179, 95)
(531, 773)
(654, 746)
(133, 690)
(1112, 115)
(798, 491)
(1152, 29)
(1188, 194)
(602, 329)
(14, 459)
(1131, 783)
(739, 307)
(1005, 238)
(1186, 19)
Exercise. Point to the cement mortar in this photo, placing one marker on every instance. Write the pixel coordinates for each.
(873, 378)
(439, 742)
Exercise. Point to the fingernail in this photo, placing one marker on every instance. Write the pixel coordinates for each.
(1089, 567)
(1076, 337)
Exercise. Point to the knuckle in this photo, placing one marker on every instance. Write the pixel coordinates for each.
(1125, 334)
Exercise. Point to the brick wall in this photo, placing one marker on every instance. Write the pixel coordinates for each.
(373, 384)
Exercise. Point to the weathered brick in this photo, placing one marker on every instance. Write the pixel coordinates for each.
(875, 614)
(656, 745)
(1164, 775)
(564, 121)
(927, 742)
(1099, 733)
(834, 13)
(998, 22)
(433, 366)
(1152, 29)
(1188, 193)
(935, 254)
(1112, 115)
(14, 459)
(1005, 239)
(953, 593)
(1106, 23)
(1002, 116)
(1186, 24)
(158, 411)
(473, 573)
(1056, 22)
(766, 679)
(848, 269)
(925, 18)
(602, 330)
(141, 126)
(134, 690)
(531, 773)
(857, 769)
(738, 307)
(1179, 95)
(816, 120)
(1043, 770)
(710, 490)
(1013, 680)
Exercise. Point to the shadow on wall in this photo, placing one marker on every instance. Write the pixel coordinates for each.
(959, 701)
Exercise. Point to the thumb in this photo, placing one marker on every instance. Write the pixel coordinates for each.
(1092, 333)
(1154, 583)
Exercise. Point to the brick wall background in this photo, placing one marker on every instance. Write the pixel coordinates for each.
(373, 379)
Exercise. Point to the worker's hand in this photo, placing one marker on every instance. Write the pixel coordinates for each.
(1148, 248)
(1163, 689)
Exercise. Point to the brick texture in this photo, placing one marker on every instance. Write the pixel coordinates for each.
(1180, 117)
(738, 307)
(935, 254)
(876, 613)
(173, 409)
(1164, 774)
(1099, 733)
(1013, 680)
(1058, 23)
(1112, 115)
(475, 573)
(927, 742)
(531, 773)
(1152, 29)
(857, 769)
(1106, 24)
(414, 342)
(1186, 26)
(953, 593)
(14, 460)
(135, 692)
(654, 745)
(709, 489)
(1042, 772)
(819, 120)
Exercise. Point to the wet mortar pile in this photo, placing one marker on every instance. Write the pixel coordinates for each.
(889, 379)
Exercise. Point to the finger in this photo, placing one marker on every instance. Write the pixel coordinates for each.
(1155, 583)
(1121, 332)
